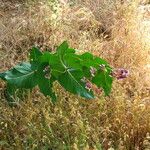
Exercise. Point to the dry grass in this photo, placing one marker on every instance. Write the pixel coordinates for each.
(120, 121)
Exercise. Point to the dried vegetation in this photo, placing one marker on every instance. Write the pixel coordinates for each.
(110, 29)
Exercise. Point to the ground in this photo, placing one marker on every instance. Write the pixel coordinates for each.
(114, 30)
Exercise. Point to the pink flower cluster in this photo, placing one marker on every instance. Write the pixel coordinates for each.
(120, 73)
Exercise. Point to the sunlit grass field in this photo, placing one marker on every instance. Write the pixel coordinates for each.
(112, 29)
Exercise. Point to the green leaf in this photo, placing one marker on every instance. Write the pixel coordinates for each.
(86, 71)
(69, 81)
(57, 67)
(54, 61)
(35, 53)
(22, 76)
(71, 50)
(65, 58)
(73, 61)
(61, 51)
(103, 80)
(2, 76)
(73, 84)
(89, 60)
(62, 48)
(87, 56)
(45, 85)
(46, 57)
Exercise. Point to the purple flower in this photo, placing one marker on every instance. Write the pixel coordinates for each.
(120, 73)
(88, 86)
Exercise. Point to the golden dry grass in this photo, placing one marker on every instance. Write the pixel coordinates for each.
(121, 121)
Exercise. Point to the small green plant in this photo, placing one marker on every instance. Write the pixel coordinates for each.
(76, 73)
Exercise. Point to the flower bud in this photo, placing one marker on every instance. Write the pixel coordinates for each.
(102, 67)
(47, 76)
(88, 86)
(46, 69)
(93, 71)
(83, 80)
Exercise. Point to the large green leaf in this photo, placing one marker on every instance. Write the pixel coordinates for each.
(83, 63)
(22, 76)
(104, 80)
(61, 50)
(73, 84)
(102, 77)
(89, 60)
(35, 53)
(73, 61)
(45, 57)
(54, 61)
(45, 85)
(69, 80)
